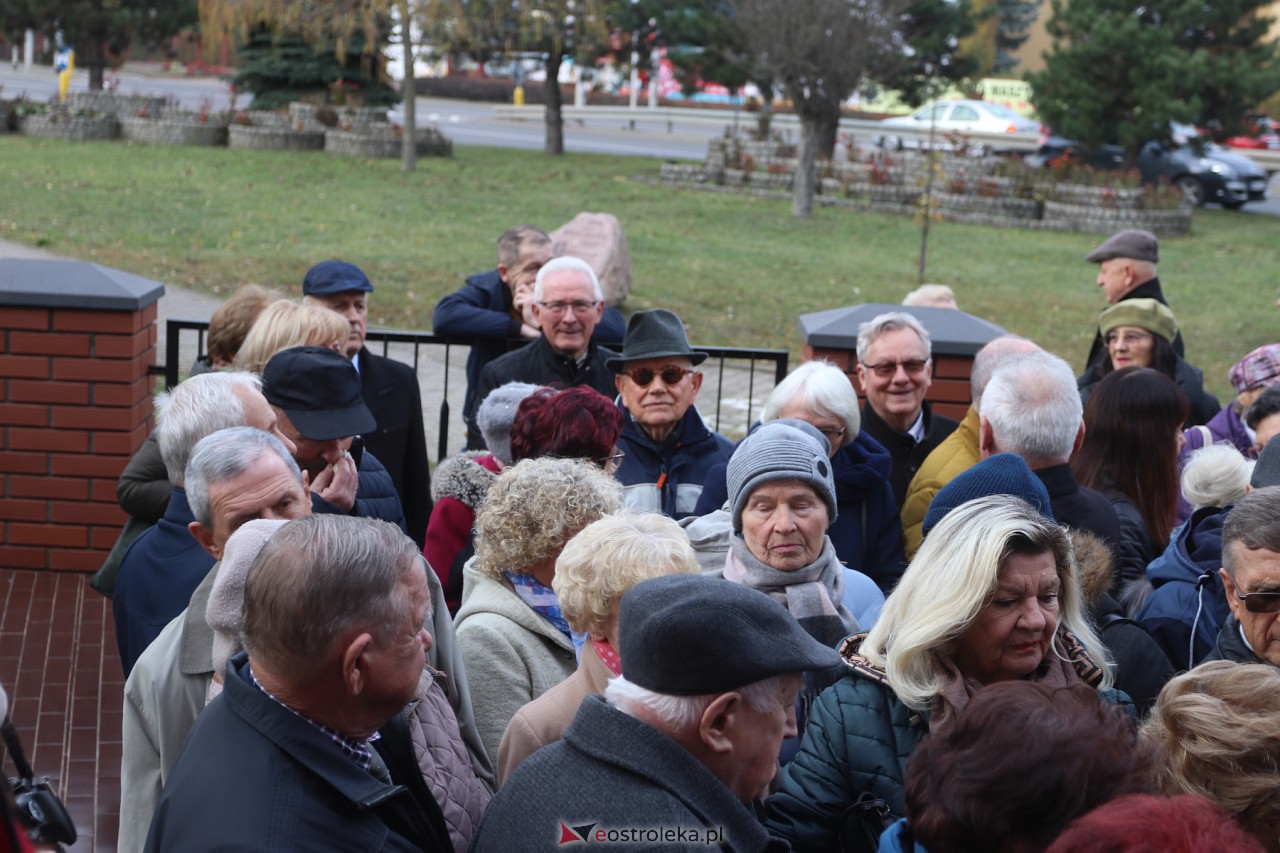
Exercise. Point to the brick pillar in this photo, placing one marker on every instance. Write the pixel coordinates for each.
(76, 344)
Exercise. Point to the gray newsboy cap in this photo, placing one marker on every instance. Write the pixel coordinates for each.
(1267, 470)
(785, 449)
(1130, 243)
(690, 635)
(654, 334)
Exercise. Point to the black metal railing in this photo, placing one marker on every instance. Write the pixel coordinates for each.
(760, 366)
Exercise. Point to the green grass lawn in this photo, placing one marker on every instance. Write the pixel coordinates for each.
(738, 270)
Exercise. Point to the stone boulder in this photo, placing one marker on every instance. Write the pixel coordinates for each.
(597, 238)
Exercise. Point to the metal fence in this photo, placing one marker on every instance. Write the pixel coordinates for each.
(736, 380)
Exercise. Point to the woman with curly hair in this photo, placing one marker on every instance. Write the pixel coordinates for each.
(515, 641)
(1218, 728)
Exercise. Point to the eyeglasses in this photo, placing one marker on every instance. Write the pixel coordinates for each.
(581, 307)
(1127, 337)
(614, 462)
(831, 433)
(886, 369)
(1261, 602)
(671, 375)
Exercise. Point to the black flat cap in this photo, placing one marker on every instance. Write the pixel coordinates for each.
(320, 392)
(329, 277)
(688, 635)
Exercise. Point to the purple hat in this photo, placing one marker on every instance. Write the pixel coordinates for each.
(1258, 369)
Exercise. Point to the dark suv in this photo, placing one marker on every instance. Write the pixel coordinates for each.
(1205, 172)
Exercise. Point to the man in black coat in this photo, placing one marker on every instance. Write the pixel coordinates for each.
(895, 370)
(308, 747)
(568, 306)
(390, 390)
(1127, 270)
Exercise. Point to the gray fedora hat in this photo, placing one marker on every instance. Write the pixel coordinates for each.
(654, 334)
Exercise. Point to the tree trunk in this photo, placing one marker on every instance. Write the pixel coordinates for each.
(408, 93)
(828, 128)
(802, 199)
(554, 119)
(764, 120)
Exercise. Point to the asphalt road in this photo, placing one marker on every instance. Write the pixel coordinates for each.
(465, 122)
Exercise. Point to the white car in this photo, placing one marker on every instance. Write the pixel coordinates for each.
(949, 117)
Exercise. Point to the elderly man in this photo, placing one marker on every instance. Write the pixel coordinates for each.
(495, 306)
(315, 393)
(1251, 576)
(682, 742)
(895, 370)
(1127, 270)
(166, 563)
(567, 305)
(234, 476)
(1031, 409)
(389, 388)
(959, 451)
(668, 448)
(308, 746)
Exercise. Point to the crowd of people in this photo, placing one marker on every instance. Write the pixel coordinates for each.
(1053, 624)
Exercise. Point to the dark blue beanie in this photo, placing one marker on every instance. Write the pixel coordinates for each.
(1002, 474)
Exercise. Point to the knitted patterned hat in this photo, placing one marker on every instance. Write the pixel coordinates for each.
(1002, 474)
(785, 449)
(1258, 369)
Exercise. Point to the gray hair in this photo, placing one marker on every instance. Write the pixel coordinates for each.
(890, 321)
(567, 262)
(224, 455)
(1216, 475)
(820, 386)
(319, 578)
(931, 296)
(1034, 407)
(199, 406)
(1254, 524)
(681, 713)
(497, 413)
(992, 357)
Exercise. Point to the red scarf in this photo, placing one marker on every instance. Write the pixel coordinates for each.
(607, 655)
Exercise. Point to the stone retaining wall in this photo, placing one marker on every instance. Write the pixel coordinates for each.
(274, 138)
(59, 125)
(173, 131)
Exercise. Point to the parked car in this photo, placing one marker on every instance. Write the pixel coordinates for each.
(950, 117)
(1205, 172)
(1262, 134)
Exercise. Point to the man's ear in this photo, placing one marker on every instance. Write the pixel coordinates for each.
(986, 438)
(715, 727)
(502, 274)
(862, 378)
(354, 663)
(205, 538)
(617, 381)
(1079, 438)
(697, 381)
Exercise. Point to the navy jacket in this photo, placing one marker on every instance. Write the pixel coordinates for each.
(906, 453)
(539, 364)
(157, 576)
(375, 494)
(668, 478)
(1231, 646)
(867, 532)
(1187, 590)
(390, 390)
(481, 310)
(253, 775)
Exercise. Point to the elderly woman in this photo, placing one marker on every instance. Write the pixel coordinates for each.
(1250, 376)
(597, 566)
(991, 596)
(1218, 728)
(866, 532)
(1140, 333)
(515, 641)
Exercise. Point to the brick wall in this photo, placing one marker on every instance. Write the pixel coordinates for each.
(75, 403)
(949, 392)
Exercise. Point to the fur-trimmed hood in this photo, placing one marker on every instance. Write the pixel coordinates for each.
(466, 478)
(1095, 561)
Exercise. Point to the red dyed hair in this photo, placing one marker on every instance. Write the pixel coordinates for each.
(576, 423)
(1144, 824)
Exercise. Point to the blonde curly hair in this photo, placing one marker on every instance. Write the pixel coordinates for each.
(610, 556)
(534, 507)
(1218, 728)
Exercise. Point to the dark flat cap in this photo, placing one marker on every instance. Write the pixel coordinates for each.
(654, 334)
(1002, 474)
(329, 277)
(689, 635)
(1130, 243)
(320, 392)
(1267, 470)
